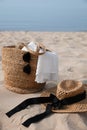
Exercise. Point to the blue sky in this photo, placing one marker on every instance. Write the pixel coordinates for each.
(55, 14)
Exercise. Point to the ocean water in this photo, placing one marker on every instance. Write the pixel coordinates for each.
(43, 15)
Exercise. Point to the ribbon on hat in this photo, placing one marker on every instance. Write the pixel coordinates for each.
(53, 103)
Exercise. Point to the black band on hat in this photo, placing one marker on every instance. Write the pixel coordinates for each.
(28, 102)
(55, 103)
(38, 117)
(74, 99)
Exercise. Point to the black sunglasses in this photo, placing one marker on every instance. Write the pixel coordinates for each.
(27, 58)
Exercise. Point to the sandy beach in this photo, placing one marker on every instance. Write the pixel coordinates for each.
(71, 48)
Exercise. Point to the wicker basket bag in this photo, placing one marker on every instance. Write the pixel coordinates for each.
(19, 69)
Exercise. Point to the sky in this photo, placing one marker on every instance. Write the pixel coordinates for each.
(45, 14)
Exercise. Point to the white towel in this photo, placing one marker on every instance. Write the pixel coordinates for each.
(47, 65)
(31, 46)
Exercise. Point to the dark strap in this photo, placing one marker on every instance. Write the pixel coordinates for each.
(38, 117)
(55, 104)
(74, 99)
(28, 102)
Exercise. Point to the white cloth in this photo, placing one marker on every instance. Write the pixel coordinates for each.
(31, 46)
(47, 65)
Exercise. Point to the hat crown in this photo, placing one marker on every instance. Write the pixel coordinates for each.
(69, 88)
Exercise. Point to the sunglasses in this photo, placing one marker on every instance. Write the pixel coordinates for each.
(27, 58)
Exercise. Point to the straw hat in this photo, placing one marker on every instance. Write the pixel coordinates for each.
(67, 90)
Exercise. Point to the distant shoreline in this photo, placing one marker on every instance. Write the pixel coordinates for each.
(3, 30)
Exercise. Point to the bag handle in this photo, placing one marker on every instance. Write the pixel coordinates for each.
(39, 46)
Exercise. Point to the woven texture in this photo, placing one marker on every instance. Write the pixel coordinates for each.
(73, 88)
(15, 79)
(80, 106)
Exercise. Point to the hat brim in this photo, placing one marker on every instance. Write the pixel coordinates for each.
(76, 107)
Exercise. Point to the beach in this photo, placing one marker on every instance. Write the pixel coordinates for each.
(71, 48)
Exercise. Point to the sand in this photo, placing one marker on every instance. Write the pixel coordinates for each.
(71, 48)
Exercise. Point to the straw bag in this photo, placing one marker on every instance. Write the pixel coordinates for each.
(17, 78)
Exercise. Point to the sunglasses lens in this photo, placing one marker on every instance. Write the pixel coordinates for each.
(27, 57)
(27, 69)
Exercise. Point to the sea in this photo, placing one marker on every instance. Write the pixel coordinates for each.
(43, 15)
